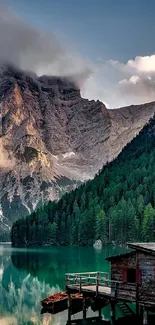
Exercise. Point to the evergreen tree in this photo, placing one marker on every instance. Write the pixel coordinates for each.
(148, 223)
(101, 226)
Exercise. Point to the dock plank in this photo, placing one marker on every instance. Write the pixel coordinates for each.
(92, 288)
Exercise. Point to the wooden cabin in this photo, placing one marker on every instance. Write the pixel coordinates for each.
(132, 281)
(134, 274)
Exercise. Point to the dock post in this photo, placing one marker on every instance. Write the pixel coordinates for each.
(137, 299)
(113, 313)
(137, 309)
(145, 316)
(84, 308)
(69, 309)
(100, 314)
(97, 283)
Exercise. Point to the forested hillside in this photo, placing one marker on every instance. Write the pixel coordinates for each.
(117, 206)
(5, 236)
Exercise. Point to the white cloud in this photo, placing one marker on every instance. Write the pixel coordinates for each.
(138, 89)
(117, 84)
(92, 89)
(145, 64)
(140, 65)
(136, 83)
(133, 80)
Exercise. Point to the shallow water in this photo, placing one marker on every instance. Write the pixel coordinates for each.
(27, 276)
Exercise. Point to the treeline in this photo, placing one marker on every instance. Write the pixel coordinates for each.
(117, 206)
(5, 236)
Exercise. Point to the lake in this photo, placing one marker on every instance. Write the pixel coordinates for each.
(28, 275)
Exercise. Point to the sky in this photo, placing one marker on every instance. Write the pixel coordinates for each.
(109, 42)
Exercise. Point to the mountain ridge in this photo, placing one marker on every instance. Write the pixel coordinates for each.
(52, 139)
(117, 206)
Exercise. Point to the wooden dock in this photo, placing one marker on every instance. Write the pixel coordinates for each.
(94, 290)
(95, 284)
(132, 281)
(102, 291)
(117, 293)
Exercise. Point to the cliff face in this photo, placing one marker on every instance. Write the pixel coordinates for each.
(51, 139)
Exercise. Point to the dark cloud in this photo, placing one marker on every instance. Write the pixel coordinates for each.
(28, 48)
(44, 53)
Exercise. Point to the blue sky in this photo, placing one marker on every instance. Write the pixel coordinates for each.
(111, 29)
(99, 30)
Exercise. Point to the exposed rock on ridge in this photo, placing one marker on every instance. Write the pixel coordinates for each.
(52, 139)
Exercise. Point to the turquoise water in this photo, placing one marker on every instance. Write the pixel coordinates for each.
(27, 276)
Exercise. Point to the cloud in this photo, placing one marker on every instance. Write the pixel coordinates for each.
(41, 52)
(114, 83)
(133, 80)
(139, 65)
(144, 64)
(138, 89)
(94, 90)
(137, 80)
(121, 84)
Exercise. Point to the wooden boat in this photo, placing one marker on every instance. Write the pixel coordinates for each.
(56, 299)
(59, 302)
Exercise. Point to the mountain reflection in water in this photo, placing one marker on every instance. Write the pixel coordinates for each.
(27, 276)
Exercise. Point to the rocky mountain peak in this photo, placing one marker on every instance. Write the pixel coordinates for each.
(52, 139)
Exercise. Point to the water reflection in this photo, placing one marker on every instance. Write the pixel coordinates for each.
(51, 265)
(27, 276)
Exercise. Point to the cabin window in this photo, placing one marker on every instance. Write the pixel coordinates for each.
(131, 275)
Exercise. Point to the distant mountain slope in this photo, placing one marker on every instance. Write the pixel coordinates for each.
(51, 139)
(118, 205)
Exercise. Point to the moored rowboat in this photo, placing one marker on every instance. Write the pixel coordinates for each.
(59, 298)
(59, 302)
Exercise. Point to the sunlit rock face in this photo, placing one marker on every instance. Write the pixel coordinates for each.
(51, 139)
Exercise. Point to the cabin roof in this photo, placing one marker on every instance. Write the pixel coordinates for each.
(117, 257)
(145, 247)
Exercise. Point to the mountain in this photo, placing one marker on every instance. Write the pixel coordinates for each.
(51, 139)
(118, 205)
